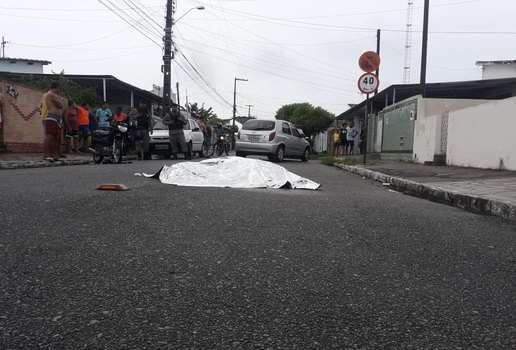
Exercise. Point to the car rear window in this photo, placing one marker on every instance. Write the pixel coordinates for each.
(259, 125)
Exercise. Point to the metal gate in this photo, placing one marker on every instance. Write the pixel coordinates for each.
(444, 132)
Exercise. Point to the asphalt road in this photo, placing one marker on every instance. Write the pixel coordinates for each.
(349, 266)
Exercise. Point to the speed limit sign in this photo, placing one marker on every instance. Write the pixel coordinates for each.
(368, 83)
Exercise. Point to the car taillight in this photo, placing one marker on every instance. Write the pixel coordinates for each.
(238, 135)
(272, 136)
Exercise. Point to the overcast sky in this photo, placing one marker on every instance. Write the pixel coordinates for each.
(289, 50)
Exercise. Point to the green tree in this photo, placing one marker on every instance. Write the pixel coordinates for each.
(312, 120)
(207, 114)
(68, 88)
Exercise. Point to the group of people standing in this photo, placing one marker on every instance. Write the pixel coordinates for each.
(344, 140)
(77, 122)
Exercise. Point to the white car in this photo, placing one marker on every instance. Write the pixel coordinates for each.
(160, 140)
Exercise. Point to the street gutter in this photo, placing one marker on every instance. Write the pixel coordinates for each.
(477, 204)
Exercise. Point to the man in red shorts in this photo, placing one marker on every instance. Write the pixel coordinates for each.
(51, 112)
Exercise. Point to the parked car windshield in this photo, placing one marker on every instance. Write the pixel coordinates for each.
(158, 124)
(258, 125)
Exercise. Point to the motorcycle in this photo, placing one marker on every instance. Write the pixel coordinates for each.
(222, 145)
(112, 143)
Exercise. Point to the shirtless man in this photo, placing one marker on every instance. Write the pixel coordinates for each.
(51, 112)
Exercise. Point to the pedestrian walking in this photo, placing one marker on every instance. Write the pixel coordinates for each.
(51, 114)
(176, 122)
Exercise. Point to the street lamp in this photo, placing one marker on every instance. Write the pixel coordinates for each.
(234, 100)
(168, 54)
(184, 14)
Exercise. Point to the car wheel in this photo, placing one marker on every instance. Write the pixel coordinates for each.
(205, 150)
(306, 155)
(240, 154)
(280, 154)
(189, 150)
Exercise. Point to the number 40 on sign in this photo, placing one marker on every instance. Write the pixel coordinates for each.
(368, 83)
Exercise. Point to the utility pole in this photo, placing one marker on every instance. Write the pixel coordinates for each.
(168, 55)
(234, 100)
(408, 43)
(424, 50)
(378, 32)
(3, 46)
(249, 114)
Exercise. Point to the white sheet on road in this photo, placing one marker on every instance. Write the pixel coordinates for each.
(235, 172)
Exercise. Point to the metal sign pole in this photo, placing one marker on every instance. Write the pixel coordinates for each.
(365, 126)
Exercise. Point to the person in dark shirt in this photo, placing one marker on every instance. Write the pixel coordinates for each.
(143, 131)
(176, 122)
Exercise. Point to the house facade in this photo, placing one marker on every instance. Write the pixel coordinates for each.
(22, 65)
(435, 129)
(21, 127)
(498, 69)
(20, 118)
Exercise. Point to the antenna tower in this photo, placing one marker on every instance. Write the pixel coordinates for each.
(408, 43)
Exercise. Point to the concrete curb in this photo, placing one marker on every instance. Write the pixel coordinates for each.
(476, 204)
(27, 164)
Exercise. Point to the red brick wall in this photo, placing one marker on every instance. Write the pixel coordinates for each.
(22, 127)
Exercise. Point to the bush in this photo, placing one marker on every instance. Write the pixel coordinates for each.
(327, 160)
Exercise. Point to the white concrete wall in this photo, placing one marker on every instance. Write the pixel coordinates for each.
(20, 67)
(499, 71)
(427, 128)
(321, 142)
(483, 136)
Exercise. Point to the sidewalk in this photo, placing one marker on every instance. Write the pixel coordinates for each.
(9, 160)
(484, 191)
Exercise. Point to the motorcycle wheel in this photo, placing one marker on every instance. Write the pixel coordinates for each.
(97, 155)
(226, 149)
(117, 152)
(220, 149)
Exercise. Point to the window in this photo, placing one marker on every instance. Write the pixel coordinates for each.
(295, 132)
(285, 129)
(259, 125)
(158, 124)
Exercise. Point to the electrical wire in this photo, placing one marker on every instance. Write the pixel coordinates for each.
(132, 25)
(61, 10)
(143, 15)
(138, 22)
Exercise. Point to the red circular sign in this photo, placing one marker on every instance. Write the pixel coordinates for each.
(369, 61)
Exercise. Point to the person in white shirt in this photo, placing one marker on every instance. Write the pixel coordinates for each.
(351, 132)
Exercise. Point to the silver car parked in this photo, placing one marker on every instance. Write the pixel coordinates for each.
(277, 139)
